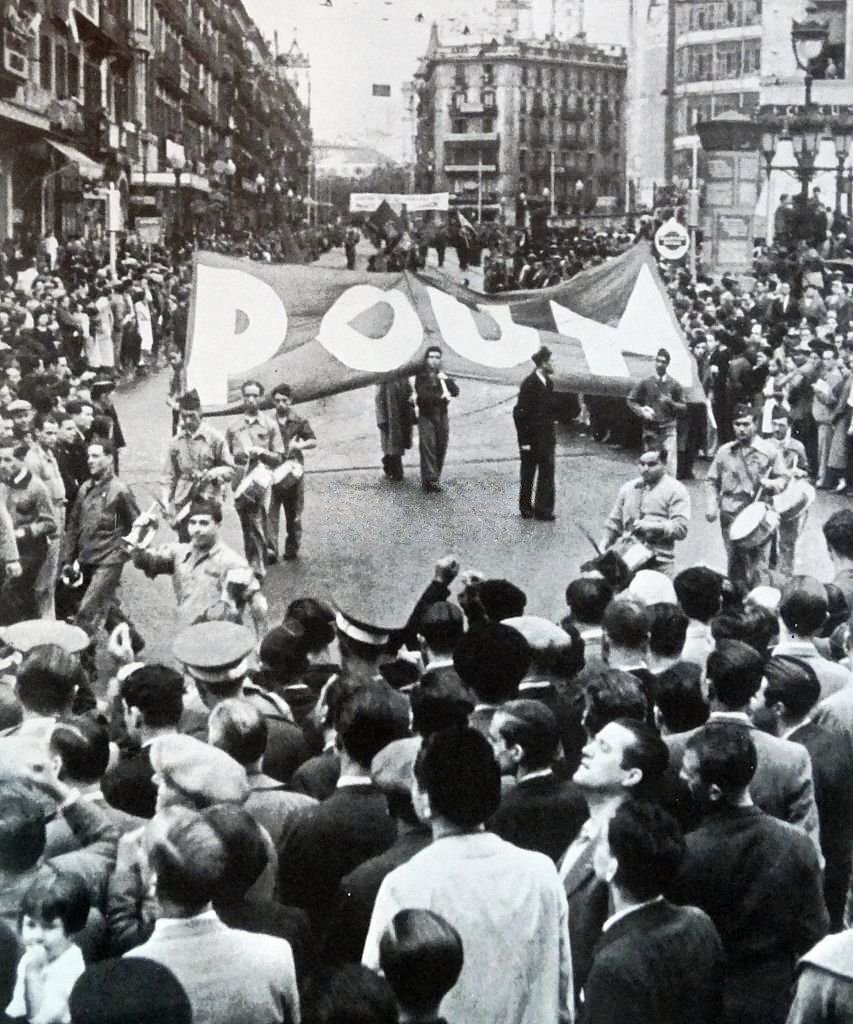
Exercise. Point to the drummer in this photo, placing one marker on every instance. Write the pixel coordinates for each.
(797, 465)
(254, 441)
(297, 437)
(741, 470)
(653, 508)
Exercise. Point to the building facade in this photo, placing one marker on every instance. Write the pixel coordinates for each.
(142, 96)
(717, 56)
(510, 121)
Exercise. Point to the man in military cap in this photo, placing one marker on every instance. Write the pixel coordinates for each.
(216, 656)
(254, 441)
(534, 423)
(211, 581)
(198, 463)
(21, 412)
(739, 471)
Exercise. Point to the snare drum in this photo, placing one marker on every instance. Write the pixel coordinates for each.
(288, 474)
(634, 553)
(754, 525)
(794, 500)
(254, 486)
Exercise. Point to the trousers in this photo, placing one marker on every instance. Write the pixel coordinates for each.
(433, 438)
(537, 465)
(292, 500)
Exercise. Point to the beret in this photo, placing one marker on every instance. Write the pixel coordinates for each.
(652, 588)
(538, 632)
(198, 771)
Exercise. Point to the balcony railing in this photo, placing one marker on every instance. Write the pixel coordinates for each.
(167, 71)
(198, 105)
(176, 13)
(468, 107)
(465, 137)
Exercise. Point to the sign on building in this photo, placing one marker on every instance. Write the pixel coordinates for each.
(150, 230)
(672, 240)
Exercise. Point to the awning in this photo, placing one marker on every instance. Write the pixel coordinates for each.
(88, 168)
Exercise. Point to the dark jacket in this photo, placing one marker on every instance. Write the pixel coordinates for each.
(357, 894)
(543, 814)
(660, 964)
(589, 907)
(832, 768)
(534, 413)
(326, 842)
(431, 400)
(759, 881)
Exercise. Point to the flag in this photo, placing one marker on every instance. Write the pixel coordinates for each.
(466, 228)
(324, 331)
(386, 225)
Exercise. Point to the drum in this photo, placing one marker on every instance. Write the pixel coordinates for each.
(794, 500)
(754, 526)
(254, 486)
(288, 474)
(634, 553)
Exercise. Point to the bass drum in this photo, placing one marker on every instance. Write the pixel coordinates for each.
(754, 525)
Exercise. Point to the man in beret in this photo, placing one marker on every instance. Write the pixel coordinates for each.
(741, 470)
(210, 580)
(658, 401)
(534, 423)
(198, 463)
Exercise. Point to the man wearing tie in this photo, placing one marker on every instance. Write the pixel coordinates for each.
(534, 424)
(433, 389)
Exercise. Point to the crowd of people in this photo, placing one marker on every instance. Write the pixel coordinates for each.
(635, 807)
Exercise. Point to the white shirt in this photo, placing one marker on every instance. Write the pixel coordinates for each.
(57, 976)
(511, 911)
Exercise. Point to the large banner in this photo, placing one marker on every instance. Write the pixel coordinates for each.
(367, 202)
(323, 331)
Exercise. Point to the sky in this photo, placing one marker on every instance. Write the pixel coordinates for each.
(355, 44)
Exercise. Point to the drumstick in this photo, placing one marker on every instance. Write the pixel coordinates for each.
(589, 537)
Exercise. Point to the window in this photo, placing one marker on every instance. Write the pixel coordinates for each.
(522, 103)
(487, 97)
(751, 56)
(728, 56)
(73, 74)
(522, 159)
(459, 125)
(522, 130)
(60, 72)
(488, 74)
(488, 124)
(524, 75)
(45, 62)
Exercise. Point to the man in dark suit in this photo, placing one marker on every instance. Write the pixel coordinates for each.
(327, 841)
(624, 759)
(534, 424)
(392, 771)
(654, 961)
(789, 694)
(782, 784)
(757, 878)
(783, 311)
(151, 701)
(541, 812)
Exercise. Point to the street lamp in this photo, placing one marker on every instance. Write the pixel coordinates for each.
(841, 134)
(808, 38)
(178, 161)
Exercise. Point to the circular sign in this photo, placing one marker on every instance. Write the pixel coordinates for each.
(672, 240)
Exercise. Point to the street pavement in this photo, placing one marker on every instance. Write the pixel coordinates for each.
(372, 544)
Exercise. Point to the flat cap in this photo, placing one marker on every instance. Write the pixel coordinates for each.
(652, 587)
(34, 632)
(539, 633)
(215, 652)
(393, 768)
(19, 405)
(204, 774)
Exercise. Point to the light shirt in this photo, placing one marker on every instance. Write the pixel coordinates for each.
(511, 911)
(353, 780)
(57, 978)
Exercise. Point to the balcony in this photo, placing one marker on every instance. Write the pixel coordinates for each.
(167, 71)
(465, 137)
(66, 116)
(572, 115)
(198, 106)
(469, 107)
(175, 12)
(90, 10)
(470, 168)
(196, 43)
(113, 26)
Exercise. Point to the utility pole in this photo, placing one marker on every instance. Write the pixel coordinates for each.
(553, 177)
(479, 190)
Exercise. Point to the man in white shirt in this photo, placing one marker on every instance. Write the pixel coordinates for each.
(506, 903)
